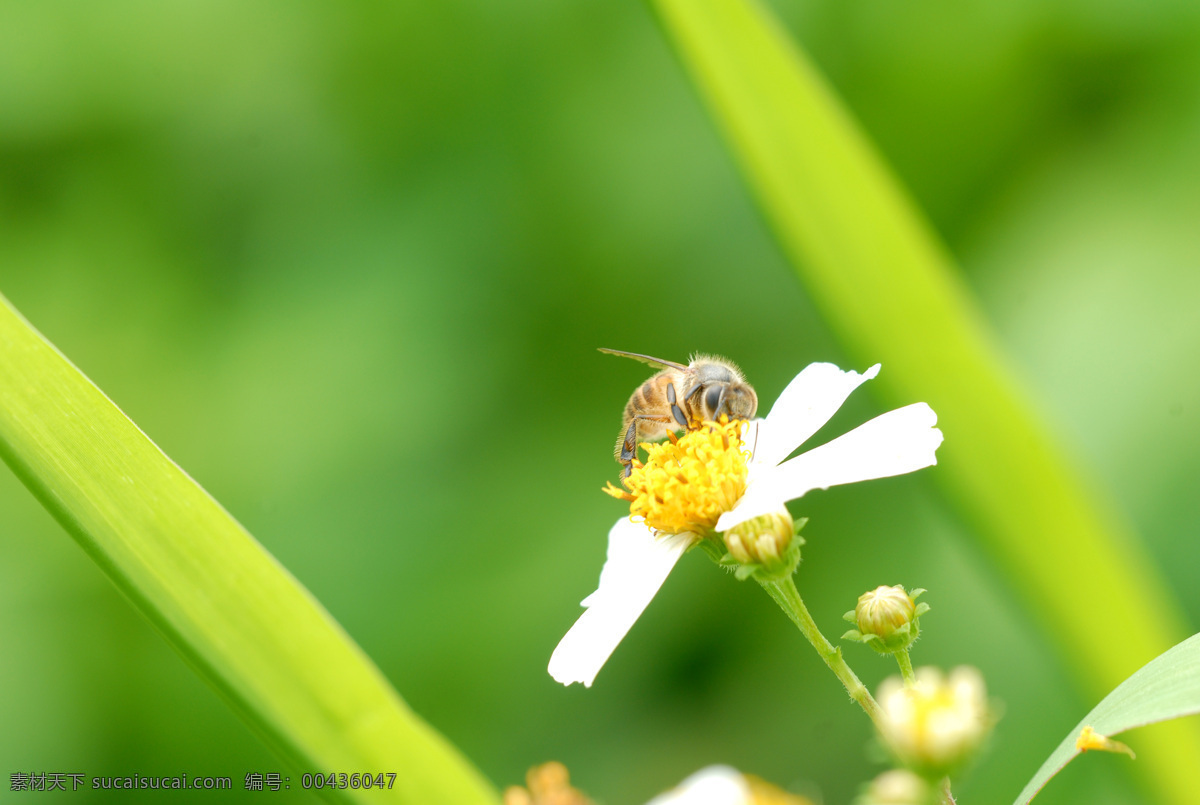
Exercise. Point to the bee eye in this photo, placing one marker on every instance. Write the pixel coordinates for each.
(712, 398)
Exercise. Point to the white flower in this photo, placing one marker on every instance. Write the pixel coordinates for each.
(641, 554)
(716, 785)
(938, 723)
(722, 785)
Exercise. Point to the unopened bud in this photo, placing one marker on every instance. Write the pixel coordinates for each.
(768, 542)
(896, 787)
(886, 618)
(549, 784)
(936, 725)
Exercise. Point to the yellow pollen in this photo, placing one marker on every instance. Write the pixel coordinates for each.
(1090, 739)
(687, 483)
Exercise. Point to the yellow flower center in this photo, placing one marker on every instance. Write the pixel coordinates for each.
(763, 793)
(690, 481)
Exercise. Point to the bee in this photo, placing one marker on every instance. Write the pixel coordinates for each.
(680, 397)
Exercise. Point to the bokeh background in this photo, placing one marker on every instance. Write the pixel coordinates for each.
(348, 264)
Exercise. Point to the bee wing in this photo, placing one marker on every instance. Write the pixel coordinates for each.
(657, 363)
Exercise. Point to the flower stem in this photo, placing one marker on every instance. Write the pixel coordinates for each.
(944, 792)
(784, 593)
(906, 669)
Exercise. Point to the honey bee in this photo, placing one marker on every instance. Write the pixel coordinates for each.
(680, 397)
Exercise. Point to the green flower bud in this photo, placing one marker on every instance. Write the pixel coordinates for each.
(887, 619)
(767, 546)
(896, 787)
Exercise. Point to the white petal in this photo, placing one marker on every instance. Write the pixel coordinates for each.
(716, 785)
(897, 442)
(637, 565)
(805, 405)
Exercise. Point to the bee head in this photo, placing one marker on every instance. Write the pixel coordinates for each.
(732, 399)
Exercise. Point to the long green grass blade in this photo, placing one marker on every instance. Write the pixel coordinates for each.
(1166, 687)
(890, 290)
(218, 597)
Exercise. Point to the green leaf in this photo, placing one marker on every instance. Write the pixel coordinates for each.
(890, 290)
(237, 617)
(1166, 687)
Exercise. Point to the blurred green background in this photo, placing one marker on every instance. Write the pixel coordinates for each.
(349, 265)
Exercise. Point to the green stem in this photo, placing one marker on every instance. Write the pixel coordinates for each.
(944, 791)
(784, 593)
(906, 670)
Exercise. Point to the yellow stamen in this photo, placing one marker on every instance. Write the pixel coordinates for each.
(616, 492)
(686, 484)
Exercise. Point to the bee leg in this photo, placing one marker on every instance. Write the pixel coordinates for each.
(720, 405)
(691, 398)
(627, 447)
(676, 411)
